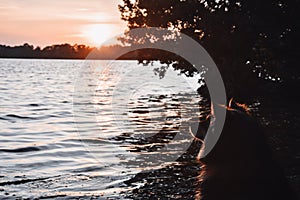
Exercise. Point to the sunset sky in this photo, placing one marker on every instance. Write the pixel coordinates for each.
(44, 23)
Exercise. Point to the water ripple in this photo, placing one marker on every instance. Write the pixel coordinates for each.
(21, 150)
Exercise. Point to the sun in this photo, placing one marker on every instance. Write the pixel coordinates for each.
(97, 34)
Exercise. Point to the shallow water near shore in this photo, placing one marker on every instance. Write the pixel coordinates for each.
(64, 136)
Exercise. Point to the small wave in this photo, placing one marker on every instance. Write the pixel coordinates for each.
(40, 109)
(140, 111)
(53, 196)
(88, 169)
(34, 105)
(22, 149)
(10, 117)
(23, 181)
(17, 116)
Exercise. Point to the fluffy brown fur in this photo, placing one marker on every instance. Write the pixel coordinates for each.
(240, 166)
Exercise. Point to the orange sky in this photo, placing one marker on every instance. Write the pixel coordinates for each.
(41, 23)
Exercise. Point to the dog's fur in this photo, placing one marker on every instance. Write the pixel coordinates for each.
(240, 166)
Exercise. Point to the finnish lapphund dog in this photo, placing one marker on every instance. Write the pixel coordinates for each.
(240, 166)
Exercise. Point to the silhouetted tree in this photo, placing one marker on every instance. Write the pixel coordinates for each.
(254, 43)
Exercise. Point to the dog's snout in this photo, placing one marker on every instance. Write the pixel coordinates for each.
(199, 128)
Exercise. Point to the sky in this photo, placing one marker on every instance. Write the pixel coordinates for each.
(41, 22)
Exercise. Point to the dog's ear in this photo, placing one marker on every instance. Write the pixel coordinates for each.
(231, 103)
(238, 106)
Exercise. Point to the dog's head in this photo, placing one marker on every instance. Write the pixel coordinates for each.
(241, 136)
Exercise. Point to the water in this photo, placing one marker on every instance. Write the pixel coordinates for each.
(87, 128)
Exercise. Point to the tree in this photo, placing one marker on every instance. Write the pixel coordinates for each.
(254, 43)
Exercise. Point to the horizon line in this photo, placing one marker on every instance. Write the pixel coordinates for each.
(71, 44)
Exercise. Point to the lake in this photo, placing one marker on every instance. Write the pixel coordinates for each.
(72, 128)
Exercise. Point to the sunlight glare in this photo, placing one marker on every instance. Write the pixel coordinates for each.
(97, 34)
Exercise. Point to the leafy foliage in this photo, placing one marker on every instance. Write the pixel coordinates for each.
(254, 43)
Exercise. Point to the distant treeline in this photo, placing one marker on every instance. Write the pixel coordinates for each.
(67, 51)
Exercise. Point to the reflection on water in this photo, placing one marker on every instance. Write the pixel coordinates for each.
(121, 113)
(131, 105)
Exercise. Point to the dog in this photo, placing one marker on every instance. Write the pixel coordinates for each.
(240, 166)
